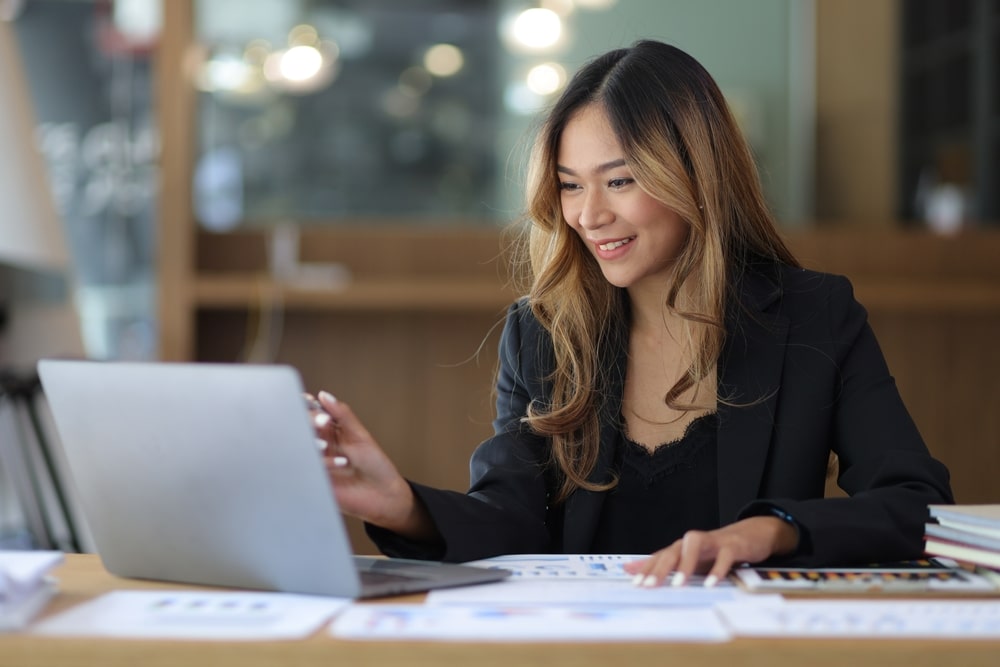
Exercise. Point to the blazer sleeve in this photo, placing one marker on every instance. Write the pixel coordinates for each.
(504, 510)
(884, 465)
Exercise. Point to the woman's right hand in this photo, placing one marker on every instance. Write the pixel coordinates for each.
(365, 482)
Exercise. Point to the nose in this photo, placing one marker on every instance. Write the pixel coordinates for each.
(594, 211)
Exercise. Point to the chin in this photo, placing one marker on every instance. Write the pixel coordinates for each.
(619, 281)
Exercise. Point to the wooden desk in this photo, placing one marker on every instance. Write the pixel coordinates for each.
(82, 577)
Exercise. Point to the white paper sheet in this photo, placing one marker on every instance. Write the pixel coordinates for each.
(484, 623)
(578, 579)
(885, 619)
(25, 586)
(21, 572)
(598, 592)
(15, 615)
(562, 566)
(199, 615)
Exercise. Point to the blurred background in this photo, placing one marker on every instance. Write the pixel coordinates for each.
(325, 183)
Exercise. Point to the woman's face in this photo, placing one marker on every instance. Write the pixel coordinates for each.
(633, 237)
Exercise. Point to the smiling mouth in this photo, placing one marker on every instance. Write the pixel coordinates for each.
(616, 244)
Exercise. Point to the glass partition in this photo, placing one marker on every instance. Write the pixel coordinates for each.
(388, 111)
(350, 111)
(89, 69)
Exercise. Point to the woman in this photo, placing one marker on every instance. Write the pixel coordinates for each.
(673, 383)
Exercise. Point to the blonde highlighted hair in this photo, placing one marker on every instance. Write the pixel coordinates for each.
(684, 148)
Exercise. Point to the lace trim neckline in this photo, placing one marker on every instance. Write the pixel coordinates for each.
(694, 424)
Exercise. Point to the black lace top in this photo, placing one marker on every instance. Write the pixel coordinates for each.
(661, 494)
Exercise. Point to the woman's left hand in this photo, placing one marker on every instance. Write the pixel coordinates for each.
(715, 552)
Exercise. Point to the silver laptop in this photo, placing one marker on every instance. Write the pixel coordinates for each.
(210, 474)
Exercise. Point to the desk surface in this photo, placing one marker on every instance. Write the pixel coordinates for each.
(82, 577)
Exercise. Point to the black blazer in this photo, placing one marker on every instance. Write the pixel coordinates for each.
(801, 374)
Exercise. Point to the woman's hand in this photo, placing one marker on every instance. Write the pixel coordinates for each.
(715, 552)
(365, 482)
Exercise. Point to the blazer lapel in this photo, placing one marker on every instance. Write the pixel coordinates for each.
(750, 373)
(750, 376)
(583, 508)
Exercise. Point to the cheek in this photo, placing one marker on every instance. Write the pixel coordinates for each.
(672, 228)
(572, 222)
(568, 215)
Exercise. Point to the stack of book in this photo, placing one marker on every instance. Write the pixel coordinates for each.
(25, 585)
(965, 533)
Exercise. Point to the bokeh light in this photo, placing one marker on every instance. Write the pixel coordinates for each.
(546, 78)
(444, 60)
(537, 28)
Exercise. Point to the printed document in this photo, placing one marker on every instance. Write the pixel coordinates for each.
(236, 615)
(497, 623)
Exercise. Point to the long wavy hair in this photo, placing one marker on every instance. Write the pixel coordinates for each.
(684, 148)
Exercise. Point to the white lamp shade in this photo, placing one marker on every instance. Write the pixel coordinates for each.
(31, 234)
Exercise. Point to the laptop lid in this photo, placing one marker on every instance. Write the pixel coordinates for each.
(210, 474)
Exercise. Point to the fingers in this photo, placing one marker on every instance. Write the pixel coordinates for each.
(351, 431)
(692, 545)
(699, 548)
(312, 402)
(327, 431)
(676, 564)
(652, 571)
(723, 564)
(326, 400)
(750, 540)
(350, 443)
(323, 422)
(321, 417)
(338, 466)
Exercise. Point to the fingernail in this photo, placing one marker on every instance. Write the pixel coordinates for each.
(321, 444)
(677, 579)
(649, 581)
(637, 579)
(711, 580)
(340, 461)
(328, 397)
(322, 419)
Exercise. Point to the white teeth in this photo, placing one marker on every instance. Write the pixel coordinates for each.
(615, 244)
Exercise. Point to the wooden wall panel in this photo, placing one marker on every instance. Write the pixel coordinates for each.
(421, 383)
(175, 228)
(420, 375)
(946, 367)
(857, 82)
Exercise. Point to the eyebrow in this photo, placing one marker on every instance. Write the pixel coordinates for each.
(601, 168)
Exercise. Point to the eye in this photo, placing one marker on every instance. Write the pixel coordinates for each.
(566, 186)
(618, 183)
